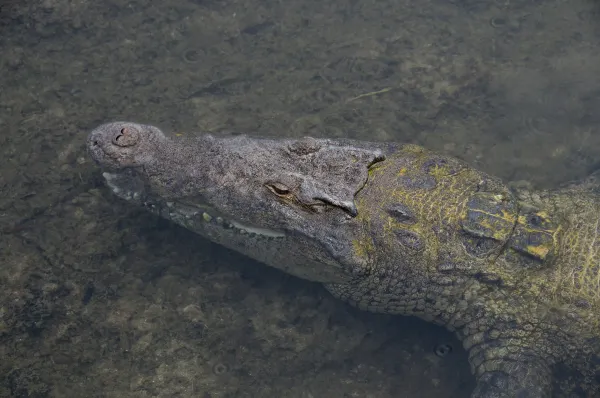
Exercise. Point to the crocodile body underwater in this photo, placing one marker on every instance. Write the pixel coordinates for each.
(397, 229)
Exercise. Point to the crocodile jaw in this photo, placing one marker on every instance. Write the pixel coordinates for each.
(132, 190)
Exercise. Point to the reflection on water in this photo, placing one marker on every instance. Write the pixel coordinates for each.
(100, 300)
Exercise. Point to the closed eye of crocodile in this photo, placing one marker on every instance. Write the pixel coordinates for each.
(279, 189)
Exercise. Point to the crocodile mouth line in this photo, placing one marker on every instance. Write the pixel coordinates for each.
(186, 214)
(239, 227)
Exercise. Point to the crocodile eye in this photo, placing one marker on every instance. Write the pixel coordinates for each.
(279, 189)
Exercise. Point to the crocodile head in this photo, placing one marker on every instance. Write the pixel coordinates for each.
(288, 203)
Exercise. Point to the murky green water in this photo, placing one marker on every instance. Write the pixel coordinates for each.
(99, 299)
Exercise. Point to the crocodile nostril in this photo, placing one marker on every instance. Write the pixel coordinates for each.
(126, 137)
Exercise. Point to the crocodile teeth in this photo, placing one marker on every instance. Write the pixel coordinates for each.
(241, 228)
(259, 231)
(112, 180)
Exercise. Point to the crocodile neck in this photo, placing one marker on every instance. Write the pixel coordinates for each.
(435, 256)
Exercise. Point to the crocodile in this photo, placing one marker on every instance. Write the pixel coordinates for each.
(393, 228)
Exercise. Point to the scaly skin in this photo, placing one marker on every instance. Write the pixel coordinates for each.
(396, 229)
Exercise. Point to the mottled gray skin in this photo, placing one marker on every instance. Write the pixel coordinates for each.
(396, 229)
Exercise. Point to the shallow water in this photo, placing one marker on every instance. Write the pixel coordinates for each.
(99, 299)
